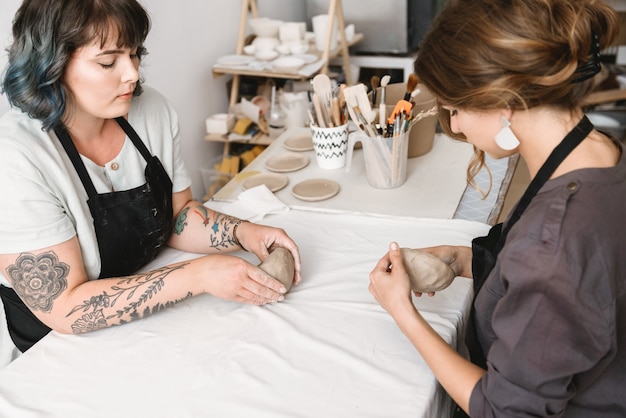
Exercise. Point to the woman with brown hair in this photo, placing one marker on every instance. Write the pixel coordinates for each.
(547, 330)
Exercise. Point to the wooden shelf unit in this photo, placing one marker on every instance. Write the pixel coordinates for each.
(249, 7)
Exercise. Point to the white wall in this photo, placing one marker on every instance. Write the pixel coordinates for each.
(187, 37)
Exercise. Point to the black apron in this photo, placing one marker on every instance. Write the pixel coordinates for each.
(485, 249)
(132, 227)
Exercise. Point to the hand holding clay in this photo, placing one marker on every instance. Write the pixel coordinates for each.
(279, 264)
(427, 272)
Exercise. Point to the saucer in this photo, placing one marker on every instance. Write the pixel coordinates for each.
(314, 190)
(299, 142)
(287, 161)
(235, 60)
(273, 181)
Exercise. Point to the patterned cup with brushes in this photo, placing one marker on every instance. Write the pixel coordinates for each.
(330, 145)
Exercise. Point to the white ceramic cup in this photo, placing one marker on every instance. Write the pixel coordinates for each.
(330, 145)
(320, 27)
(291, 31)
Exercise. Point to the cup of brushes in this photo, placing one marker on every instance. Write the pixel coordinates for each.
(329, 125)
(385, 96)
(385, 128)
(385, 143)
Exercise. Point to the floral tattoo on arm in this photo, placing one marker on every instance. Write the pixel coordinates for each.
(148, 284)
(220, 234)
(40, 279)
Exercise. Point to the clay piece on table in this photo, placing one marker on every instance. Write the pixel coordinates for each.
(279, 264)
(427, 272)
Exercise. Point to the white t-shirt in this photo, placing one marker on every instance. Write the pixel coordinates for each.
(42, 200)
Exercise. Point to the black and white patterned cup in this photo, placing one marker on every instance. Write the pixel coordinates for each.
(330, 145)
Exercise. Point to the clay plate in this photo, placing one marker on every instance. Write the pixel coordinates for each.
(314, 190)
(300, 142)
(273, 181)
(286, 162)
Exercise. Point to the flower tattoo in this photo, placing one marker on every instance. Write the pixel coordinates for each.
(39, 279)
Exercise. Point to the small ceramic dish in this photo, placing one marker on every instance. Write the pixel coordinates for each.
(288, 64)
(273, 181)
(314, 190)
(299, 142)
(286, 162)
(234, 60)
(266, 55)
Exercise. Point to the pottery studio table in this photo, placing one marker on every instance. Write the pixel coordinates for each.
(327, 350)
(435, 187)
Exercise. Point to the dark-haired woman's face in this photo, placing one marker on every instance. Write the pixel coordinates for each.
(101, 80)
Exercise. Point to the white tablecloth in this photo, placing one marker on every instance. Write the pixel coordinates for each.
(328, 350)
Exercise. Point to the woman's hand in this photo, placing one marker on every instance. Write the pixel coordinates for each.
(233, 278)
(459, 258)
(260, 239)
(390, 285)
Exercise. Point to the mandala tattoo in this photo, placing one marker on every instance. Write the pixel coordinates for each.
(39, 279)
(148, 283)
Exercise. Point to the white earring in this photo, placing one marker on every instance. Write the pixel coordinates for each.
(505, 138)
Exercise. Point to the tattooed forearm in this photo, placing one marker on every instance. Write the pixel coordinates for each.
(38, 279)
(222, 236)
(220, 226)
(181, 222)
(135, 291)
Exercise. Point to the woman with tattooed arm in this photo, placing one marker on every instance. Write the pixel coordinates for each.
(94, 186)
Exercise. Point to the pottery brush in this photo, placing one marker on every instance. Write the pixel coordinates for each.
(382, 113)
(414, 94)
(375, 82)
(411, 84)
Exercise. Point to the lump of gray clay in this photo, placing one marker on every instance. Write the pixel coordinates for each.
(279, 264)
(427, 272)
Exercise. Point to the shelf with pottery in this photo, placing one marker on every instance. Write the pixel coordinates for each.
(246, 65)
(239, 64)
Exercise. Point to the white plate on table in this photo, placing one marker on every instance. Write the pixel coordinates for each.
(235, 60)
(286, 162)
(314, 190)
(299, 142)
(273, 181)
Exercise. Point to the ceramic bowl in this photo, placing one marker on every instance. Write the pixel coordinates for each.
(266, 55)
(288, 64)
(262, 43)
(299, 48)
(265, 27)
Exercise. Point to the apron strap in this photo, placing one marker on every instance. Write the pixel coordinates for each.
(79, 165)
(567, 145)
(132, 134)
(485, 249)
(70, 149)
